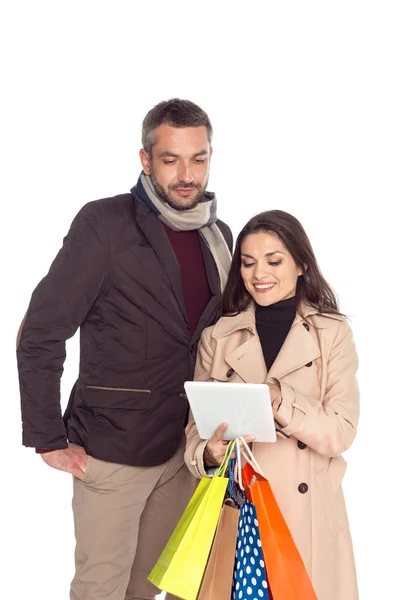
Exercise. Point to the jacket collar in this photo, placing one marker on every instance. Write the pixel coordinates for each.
(154, 231)
(247, 320)
(299, 348)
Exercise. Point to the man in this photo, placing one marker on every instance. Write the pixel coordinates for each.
(141, 274)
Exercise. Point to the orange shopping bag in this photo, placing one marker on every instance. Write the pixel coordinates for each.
(287, 575)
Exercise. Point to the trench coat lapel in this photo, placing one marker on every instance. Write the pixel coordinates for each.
(298, 349)
(248, 361)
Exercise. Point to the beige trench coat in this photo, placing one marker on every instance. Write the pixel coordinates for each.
(316, 370)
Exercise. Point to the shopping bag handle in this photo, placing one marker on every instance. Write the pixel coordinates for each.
(249, 456)
(238, 472)
(224, 465)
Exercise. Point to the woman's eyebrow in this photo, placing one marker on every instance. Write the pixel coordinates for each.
(268, 254)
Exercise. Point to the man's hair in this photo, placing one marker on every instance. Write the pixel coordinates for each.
(175, 112)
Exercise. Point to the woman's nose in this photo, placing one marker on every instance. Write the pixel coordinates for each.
(261, 272)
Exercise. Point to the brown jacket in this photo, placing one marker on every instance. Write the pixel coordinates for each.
(117, 278)
(316, 369)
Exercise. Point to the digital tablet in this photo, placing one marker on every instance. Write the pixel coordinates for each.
(246, 407)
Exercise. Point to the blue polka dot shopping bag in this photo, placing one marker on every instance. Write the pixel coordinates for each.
(250, 577)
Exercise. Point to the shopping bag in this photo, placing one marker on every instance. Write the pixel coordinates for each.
(217, 580)
(250, 577)
(181, 566)
(287, 576)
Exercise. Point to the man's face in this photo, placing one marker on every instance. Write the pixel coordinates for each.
(179, 165)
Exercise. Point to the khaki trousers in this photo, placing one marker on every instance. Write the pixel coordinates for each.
(123, 518)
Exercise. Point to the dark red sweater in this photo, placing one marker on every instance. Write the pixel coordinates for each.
(196, 289)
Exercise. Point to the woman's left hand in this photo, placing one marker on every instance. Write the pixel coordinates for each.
(276, 395)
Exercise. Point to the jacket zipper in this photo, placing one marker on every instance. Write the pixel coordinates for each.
(112, 389)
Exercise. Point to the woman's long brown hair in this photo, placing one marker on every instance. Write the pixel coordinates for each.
(312, 288)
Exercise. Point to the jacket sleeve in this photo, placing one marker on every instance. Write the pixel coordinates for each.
(328, 427)
(58, 306)
(194, 444)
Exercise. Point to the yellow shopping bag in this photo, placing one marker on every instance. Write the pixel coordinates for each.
(181, 566)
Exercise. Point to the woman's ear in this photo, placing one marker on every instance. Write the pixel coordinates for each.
(301, 271)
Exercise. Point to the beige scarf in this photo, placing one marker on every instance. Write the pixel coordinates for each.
(202, 217)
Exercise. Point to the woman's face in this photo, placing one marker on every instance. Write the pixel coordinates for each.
(268, 270)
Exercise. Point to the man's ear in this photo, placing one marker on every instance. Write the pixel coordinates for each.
(146, 162)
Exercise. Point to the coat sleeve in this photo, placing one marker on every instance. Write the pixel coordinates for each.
(194, 444)
(58, 306)
(328, 427)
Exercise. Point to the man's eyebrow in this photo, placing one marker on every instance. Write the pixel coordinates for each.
(166, 153)
(173, 155)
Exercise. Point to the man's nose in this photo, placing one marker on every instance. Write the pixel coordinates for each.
(185, 174)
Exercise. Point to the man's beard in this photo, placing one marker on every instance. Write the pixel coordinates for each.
(165, 197)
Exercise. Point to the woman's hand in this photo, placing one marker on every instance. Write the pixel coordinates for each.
(215, 449)
(276, 395)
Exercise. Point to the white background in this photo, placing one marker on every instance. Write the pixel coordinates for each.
(304, 99)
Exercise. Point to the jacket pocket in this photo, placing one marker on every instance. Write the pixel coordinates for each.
(110, 397)
(329, 483)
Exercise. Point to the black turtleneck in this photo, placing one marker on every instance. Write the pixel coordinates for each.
(273, 323)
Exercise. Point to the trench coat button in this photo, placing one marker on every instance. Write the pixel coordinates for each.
(306, 326)
(183, 396)
(309, 364)
(303, 488)
(301, 445)
(230, 372)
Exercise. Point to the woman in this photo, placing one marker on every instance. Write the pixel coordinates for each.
(281, 326)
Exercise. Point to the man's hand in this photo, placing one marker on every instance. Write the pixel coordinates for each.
(72, 460)
(215, 449)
